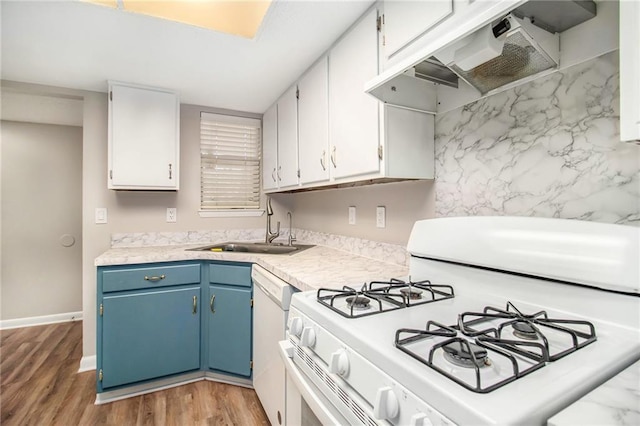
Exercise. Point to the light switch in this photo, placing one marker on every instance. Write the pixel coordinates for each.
(381, 220)
(352, 215)
(101, 215)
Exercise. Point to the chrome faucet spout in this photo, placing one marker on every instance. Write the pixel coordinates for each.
(291, 237)
(270, 235)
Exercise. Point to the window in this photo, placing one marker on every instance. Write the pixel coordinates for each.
(230, 149)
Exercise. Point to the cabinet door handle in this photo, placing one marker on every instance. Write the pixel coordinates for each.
(154, 278)
(195, 305)
(170, 173)
(213, 299)
(279, 168)
(333, 156)
(322, 160)
(273, 174)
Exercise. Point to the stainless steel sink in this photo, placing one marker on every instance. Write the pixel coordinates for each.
(273, 248)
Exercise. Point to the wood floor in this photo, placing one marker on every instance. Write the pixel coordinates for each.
(39, 385)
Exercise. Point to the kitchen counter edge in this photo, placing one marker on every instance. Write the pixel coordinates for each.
(311, 269)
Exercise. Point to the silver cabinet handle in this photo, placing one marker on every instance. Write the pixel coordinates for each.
(273, 174)
(333, 156)
(322, 160)
(213, 299)
(154, 278)
(279, 168)
(170, 172)
(195, 305)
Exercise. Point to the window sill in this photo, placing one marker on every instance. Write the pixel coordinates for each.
(230, 213)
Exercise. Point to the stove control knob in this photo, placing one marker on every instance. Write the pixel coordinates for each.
(420, 419)
(308, 337)
(339, 362)
(296, 326)
(386, 404)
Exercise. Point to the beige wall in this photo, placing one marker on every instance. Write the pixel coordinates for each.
(41, 201)
(327, 210)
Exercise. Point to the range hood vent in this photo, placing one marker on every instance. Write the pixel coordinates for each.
(517, 46)
(502, 53)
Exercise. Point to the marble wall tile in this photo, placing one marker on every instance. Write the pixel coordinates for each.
(548, 148)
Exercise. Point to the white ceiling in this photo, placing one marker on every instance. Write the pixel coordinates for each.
(81, 46)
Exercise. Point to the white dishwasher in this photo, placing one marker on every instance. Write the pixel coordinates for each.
(271, 298)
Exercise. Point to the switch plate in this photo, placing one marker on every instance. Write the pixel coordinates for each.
(381, 220)
(352, 215)
(101, 215)
(172, 214)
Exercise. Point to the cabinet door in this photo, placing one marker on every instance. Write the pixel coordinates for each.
(270, 147)
(353, 114)
(230, 329)
(313, 123)
(406, 20)
(150, 335)
(143, 138)
(288, 139)
(629, 71)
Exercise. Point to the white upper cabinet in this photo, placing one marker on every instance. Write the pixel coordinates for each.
(270, 148)
(353, 114)
(313, 124)
(144, 138)
(287, 172)
(403, 21)
(629, 70)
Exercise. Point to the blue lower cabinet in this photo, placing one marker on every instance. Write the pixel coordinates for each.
(148, 335)
(229, 324)
(163, 319)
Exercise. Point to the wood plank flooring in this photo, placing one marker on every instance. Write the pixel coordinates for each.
(39, 385)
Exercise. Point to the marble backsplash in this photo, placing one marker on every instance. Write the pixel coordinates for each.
(385, 252)
(548, 148)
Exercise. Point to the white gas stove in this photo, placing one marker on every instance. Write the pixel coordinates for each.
(519, 318)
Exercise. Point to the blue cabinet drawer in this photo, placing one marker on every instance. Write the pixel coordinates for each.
(138, 277)
(239, 275)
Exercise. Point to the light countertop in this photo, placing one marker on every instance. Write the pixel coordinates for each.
(310, 269)
(616, 402)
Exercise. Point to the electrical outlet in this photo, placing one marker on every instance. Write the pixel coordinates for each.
(352, 215)
(101, 215)
(380, 217)
(172, 213)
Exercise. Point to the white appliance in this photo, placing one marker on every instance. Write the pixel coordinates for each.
(519, 318)
(271, 300)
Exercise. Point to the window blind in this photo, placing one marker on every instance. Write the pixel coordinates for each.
(230, 149)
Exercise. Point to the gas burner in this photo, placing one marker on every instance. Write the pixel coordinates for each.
(411, 293)
(524, 330)
(460, 353)
(359, 303)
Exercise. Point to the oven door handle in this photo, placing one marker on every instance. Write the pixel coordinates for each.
(309, 392)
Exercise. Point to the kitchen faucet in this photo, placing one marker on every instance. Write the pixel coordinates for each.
(291, 237)
(270, 236)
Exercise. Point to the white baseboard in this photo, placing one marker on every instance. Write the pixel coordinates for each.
(45, 319)
(87, 363)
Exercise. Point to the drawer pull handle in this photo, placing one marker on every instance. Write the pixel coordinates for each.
(154, 278)
(195, 305)
(213, 299)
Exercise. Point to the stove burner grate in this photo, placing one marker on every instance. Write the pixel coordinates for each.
(534, 327)
(458, 350)
(412, 293)
(351, 303)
